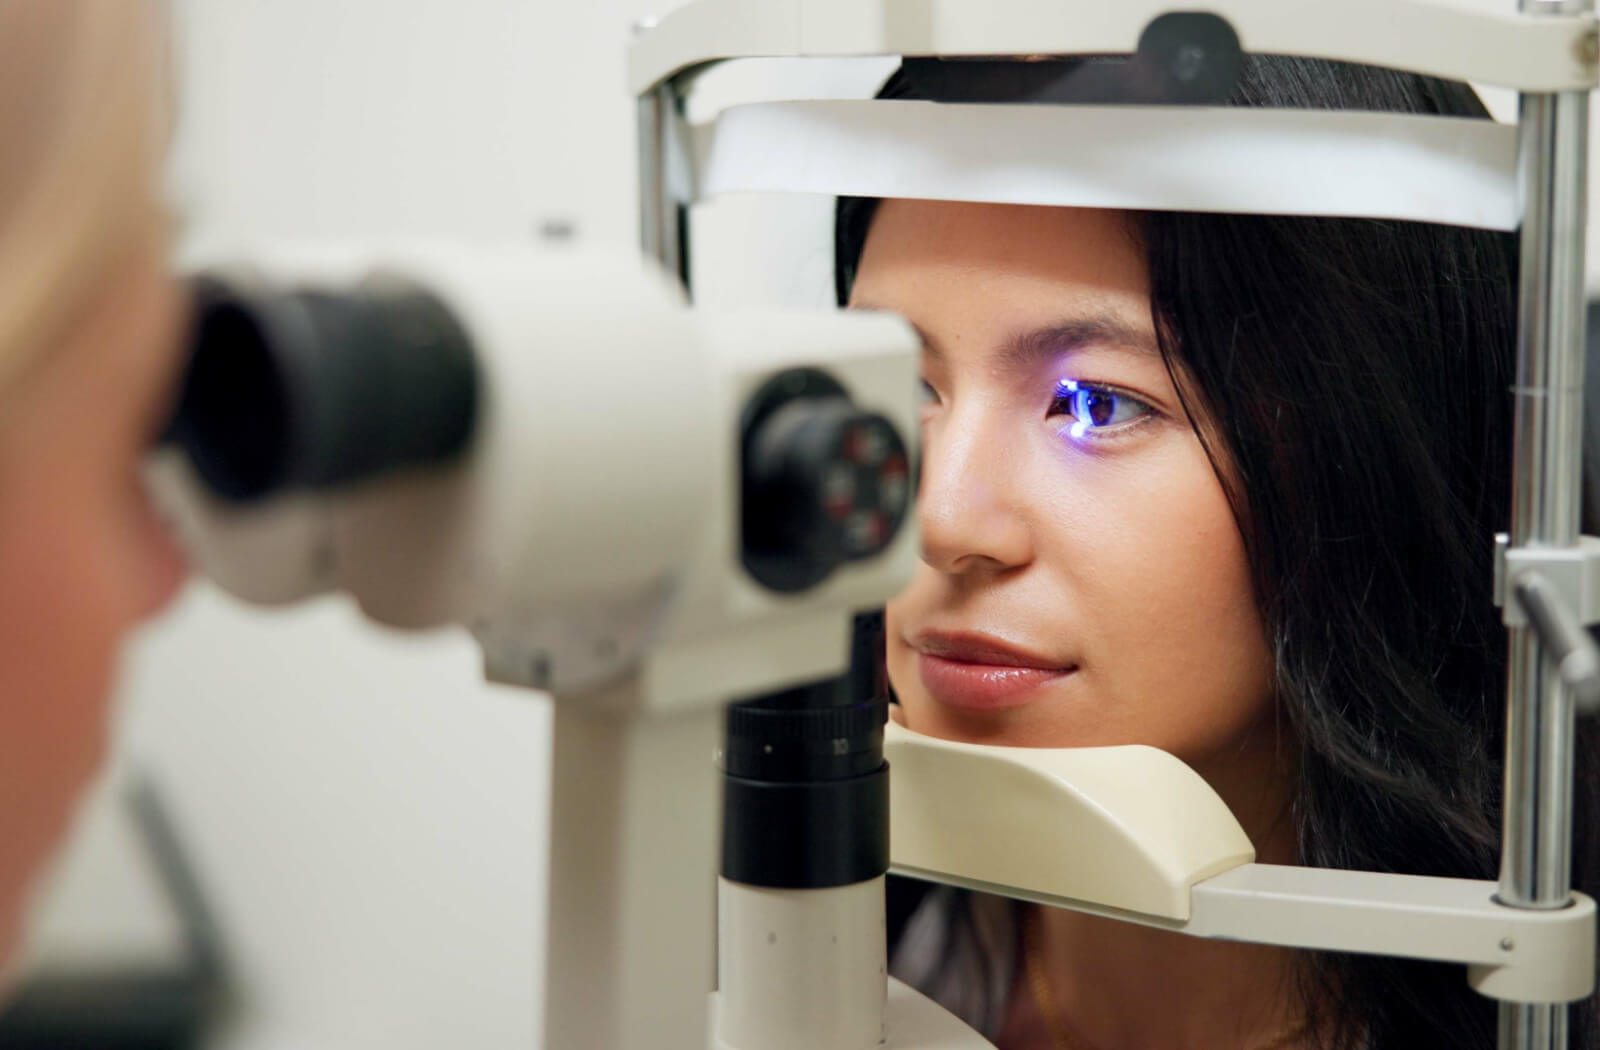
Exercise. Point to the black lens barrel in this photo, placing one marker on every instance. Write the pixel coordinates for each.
(316, 389)
(806, 789)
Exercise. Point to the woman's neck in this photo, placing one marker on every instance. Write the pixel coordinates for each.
(1127, 987)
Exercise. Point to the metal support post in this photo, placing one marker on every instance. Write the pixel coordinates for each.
(1537, 831)
(632, 917)
(663, 203)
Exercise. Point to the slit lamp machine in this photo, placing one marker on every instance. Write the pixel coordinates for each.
(416, 426)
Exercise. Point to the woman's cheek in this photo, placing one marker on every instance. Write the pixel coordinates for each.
(1188, 650)
(899, 659)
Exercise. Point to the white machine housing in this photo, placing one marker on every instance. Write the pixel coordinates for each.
(592, 529)
(590, 540)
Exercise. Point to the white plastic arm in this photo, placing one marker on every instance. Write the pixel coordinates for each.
(1515, 954)
(1132, 833)
(1190, 158)
(1542, 53)
(1128, 828)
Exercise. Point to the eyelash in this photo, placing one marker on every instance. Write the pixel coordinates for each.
(1079, 400)
(1070, 398)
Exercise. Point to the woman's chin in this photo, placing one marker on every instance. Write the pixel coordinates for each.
(1007, 727)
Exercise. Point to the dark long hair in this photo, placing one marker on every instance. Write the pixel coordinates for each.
(1358, 374)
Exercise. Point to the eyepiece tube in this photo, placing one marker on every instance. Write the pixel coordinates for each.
(314, 389)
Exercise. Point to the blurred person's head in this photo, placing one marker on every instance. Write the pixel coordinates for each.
(88, 334)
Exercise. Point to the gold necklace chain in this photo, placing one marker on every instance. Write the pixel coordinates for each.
(1067, 1037)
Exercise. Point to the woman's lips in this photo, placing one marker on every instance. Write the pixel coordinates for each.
(977, 674)
(982, 687)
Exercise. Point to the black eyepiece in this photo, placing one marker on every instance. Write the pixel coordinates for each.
(307, 389)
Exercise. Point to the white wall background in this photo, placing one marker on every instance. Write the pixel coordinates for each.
(369, 816)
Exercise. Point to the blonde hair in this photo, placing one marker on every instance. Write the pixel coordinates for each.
(82, 124)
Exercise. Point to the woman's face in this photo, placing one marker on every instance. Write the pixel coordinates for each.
(1083, 581)
(82, 556)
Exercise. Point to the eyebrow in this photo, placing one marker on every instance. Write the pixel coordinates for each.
(1029, 348)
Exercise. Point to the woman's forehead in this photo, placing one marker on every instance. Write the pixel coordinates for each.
(959, 270)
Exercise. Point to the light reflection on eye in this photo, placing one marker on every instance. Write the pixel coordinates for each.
(1094, 407)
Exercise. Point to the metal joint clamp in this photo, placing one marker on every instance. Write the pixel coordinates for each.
(1557, 593)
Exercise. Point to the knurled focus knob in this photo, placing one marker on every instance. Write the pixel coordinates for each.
(824, 481)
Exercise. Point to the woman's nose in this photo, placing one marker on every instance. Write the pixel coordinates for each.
(968, 506)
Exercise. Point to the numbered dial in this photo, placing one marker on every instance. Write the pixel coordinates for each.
(824, 481)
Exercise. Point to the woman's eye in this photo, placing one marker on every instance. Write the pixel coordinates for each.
(926, 395)
(1095, 408)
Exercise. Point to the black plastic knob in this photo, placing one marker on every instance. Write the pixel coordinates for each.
(825, 482)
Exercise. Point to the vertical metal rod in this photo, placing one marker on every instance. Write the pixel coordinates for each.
(652, 176)
(663, 208)
(1537, 820)
(1522, 1025)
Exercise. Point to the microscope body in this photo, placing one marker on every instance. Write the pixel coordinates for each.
(592, 530)
(656, 511)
